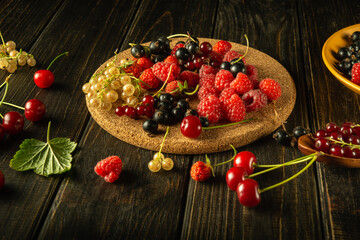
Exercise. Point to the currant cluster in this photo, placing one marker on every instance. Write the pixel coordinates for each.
(113, 84)
(342, 141)
(10, 58)
(284, 138)
(349, 55)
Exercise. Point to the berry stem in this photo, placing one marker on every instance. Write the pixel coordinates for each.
(193, 92)
(342, 143)
(247, 48)
(6, 89)
(180, 35)
(315, 156)
(13, 105)
(227, 125)
(65, 53)
(2, 39)
(162, 87)
(162, 143)
(232, 158)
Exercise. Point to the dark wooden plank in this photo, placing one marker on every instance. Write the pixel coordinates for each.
(290, 211)
(27, 197)
(331, 101)
(142, 205)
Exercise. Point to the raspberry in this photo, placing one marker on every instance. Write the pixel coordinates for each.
(207, 79)
(192, 78)
(234, 109)
(271, 88)
(206, 91)
(134, 69)
(174, 87)
(252, 72)
(226, 94)
(171, 59)
(207, 69)
(223, 79)
(230, 55)
(242, 84)
(2, 180)
(254, 100)
(145, 63)
(161, 71)
(215, 57)
(355, 73)
(148, 79)
(200, 171)
(210, 107)
(222, 47)
(109, 168)
(176, 47)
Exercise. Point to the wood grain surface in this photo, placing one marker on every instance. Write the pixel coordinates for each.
(322, 203)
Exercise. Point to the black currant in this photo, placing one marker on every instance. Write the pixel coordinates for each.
(236, 68)
(150, 126)
(193, 47)
(158, 58)
(157, 47)
(162, 117)
(165, 105)
(137, 51)
(191, 112)
(225, 65)
(355, 36)
(182, 54)
(165, 40)
(182, 103)
(204, 121)
(166, 97)
(299, 131)
(344, 53)
(354, 48)
(282, 137)
(178, 113)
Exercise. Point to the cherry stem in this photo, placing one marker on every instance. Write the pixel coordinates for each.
(180, 35)
(6, 89)
(232, 158)
(247, 48)
(295, 161)
(13, 105)
(2, 39)
(162, 87)
(48, 133)
(65, 53)
(227, 125)
(299, 160)
(162, 143)
(193, 92)
(295, 175)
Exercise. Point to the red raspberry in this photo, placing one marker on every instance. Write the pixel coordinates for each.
(230, 55)
(192, 78)
(215, 57)
(271, 88)
(2, 180)
(207, 69)
(176, 47)
(161, 71)
(207, 79)
(200, 171)
(242, 84)
(234, 109)
(134, 69)
(109, 168)
(171, 59)
(355, 73)
(174, 87)
(223, 79)
(252, 72)
(226, 94)
(206, 91)
(210, 107)
(145, 63)
(254, 100)
(222, 47)
(148, 79)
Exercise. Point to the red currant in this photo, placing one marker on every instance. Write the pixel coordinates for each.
(336, 151)
(131, 112)
(245, 160)
(205, 47)
(34, 110)
(322, 145)
(356, 130)
(44, 78)
(336, 136)
(320, 133)
(197, 62)
(248, 193)
(13, 123)
(354, 139)
(189, 65)
(331, 127)
(120, 111)
(234, 176)
(149, 111)
(140, 110)
(148, 100)
(346, 131)
(191, 126)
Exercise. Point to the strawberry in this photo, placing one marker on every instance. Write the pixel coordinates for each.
(201, 171)
(175, 87)
(148, 80)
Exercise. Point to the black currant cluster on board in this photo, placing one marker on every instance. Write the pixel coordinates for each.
(284, 138)
(349, 55)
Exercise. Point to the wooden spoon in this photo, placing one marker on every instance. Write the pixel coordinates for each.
(306, 144)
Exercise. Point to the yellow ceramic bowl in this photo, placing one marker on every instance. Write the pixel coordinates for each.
(338, 40)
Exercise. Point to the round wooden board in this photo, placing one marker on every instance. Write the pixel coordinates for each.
(264, 122)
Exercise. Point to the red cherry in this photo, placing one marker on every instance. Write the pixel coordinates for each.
(2, 132)
(44, 78)
(190, 126)
(13, 123)
(245, 160)
(2, 180)
(205, 47)
(248, 193)
(234, 176)
(34, 110)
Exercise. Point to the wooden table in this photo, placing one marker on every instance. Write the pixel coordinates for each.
(322, 203)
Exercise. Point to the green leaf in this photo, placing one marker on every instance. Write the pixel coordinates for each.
(52, 157)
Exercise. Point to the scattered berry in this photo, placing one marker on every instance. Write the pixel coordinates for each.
(207, 79)
(109, 168)
(230, 55)
(161, 71)
(144, 62)
(200, 171)
(34, 110)
(245, 160)
(13, 123)
(234, 109)
(191, 78)
(150, 126)
(206, 91)
(191, 126)
(282, 137)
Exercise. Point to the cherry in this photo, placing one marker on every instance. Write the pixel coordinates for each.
(234, 176)
(2, 131)
(34, 110)
(191, 126)
(13, 123)
(248, 193)
(205, 47)
(45, 78)
(2, 180)
(245, 160)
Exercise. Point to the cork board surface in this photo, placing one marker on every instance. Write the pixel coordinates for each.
(215, 140)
